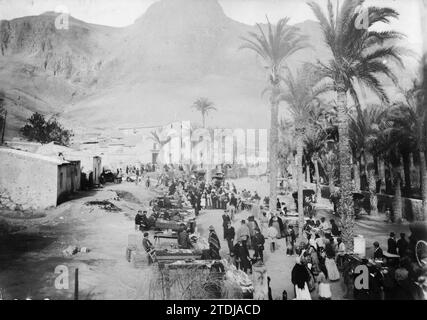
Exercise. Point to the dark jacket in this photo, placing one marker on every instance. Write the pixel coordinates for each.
(229, 233)
(378, 254)
(259, 240)
(402, 245)
(241, 252)
(392, 246)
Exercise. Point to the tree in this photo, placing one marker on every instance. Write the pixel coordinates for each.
(204, 106)
(40, 130)
(409, 117)
(274, 48)
(365, 129)
(357, 55)
(301, 96)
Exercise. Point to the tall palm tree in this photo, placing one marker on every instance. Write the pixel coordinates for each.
(274, 47)
(409, 116)
(204, 106)
(301, 96)
(365, 129)
(357, 55)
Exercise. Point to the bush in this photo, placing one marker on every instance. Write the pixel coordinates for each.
(41, 130)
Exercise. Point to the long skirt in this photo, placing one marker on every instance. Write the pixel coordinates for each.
(302, 294)
(331, 267)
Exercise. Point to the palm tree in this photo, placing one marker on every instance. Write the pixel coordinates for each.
(409, 116)
(204, 106)
(155, 137)
(274, 48)
(357, 55)
(314, 141)
(365, 128)
(301, 96)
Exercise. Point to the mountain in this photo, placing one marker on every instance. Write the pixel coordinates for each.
(149, 73)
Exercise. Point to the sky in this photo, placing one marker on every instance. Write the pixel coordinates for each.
(120, 13)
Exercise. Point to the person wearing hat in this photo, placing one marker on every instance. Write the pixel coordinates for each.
(141, 221)
(214, 244)
(241, 254)
(402, 245)
(229, 235)
(258, 244)
(392, 244)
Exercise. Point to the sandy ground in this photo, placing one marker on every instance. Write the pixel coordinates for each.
(28, 258)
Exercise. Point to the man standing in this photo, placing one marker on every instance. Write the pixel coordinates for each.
(392, 244)
(242, 256)
(402, 245)
(258, 245)
(225, 221)
(229, 235)
(243, 233)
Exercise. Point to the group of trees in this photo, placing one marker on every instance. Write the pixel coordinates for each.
(41, 130)
(338, 132)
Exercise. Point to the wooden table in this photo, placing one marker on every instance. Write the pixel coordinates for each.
(159, 236)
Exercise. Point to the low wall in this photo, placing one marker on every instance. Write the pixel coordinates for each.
(410, 207)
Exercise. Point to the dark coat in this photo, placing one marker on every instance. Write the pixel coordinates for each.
(300, 276)
(402, 245)
(229, 233)
(391, 246)
(242, 253)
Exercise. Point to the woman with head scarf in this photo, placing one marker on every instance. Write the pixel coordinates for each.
(214, 244)
(300, 278)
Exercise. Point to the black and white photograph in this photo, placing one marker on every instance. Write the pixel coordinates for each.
(216, 150)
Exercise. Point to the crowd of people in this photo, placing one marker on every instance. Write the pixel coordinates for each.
(321, 256)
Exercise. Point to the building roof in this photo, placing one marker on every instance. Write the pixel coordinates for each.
(53, 160)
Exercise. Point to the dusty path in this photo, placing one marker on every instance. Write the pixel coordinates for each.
(28, 258)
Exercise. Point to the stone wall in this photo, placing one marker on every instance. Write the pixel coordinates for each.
(26, 182)
(411, 208)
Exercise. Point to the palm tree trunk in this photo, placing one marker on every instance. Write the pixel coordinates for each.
(381, 172)
(415, 174)
(204, 120)
(356, 170)
(273, 153)
(397, 200)
(423, 174)
(345, 208)
(316, 172)
(402, 172)
(407, 171)
(300, 182)
(372, 184)
(307, 173)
